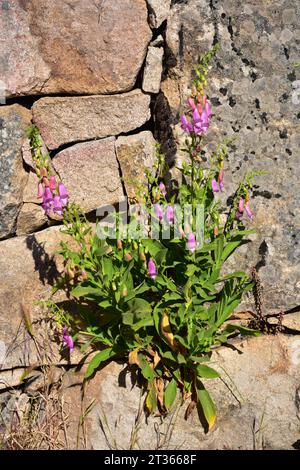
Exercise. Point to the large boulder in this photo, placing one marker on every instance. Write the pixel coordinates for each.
(34, 266)
(14, 121)
(76, 47)
(253, 89)
(257, 399)
(63, 120)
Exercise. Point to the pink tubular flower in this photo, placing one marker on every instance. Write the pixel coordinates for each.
(191, 103)
(215, 186)
(191, 242)
(170, 214)
(221, 179)
(67, 339)
(208, 109)
(249, 212)
(152, 269)
(40, 191)
(48, 196)
(241, 205)
(162, 189)
(158, 212)
(186, 125)
(64, 196)
(52, 183)
(57, 205)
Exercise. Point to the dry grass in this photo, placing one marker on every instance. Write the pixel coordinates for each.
(40, 424)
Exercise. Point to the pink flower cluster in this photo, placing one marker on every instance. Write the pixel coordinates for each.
(54, 195)
(201, 113)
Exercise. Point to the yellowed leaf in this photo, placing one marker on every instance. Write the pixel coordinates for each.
(133, 358)
(167, 332)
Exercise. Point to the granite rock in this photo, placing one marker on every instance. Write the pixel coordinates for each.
(90, 171)
(14, 121)
(34, 265)
(73, 119)
(256, 399)
(158, 12)
(153, 70)
(253, 89)
(30, 219)
(135, 153)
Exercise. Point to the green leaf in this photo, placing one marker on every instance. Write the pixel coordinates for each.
(199, 359)
(206, 372)
(161, 256)
(207, 405)
(170, 393)
(236, 274)
(172, 296)
(151, 400)
(139, 307)
(105, 304)
(147, 371)
(153, 246)
(108, 269)
(232, 246)
(143, 323)
(100, 357)
(86, 291)
(242, 329)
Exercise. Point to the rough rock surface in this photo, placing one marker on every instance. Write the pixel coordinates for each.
(30, 190)
(14, 121)
(253, 87)
(90, 171)
(135, 153)
(153, 70)
(75, 47)
(32, 269)
(158, 12)
(31, 218)
(73, 119)
(256, 400)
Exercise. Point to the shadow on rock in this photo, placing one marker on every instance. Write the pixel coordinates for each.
(44, 264)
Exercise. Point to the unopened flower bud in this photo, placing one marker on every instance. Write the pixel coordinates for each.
(124, 292)
(114, 287)
(52, 183)
(142, 256)
(83, 275)
(162, 189)
(46, 182)
(70, 273)
(128, 256)
(182, 232)
(119, 244)
(216, 231)
(43, 171)
(194, 91)
(152, 271)
(40, 191)
(191, 243)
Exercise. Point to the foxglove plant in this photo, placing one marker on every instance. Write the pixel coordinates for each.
(53, 194)
(162, 302)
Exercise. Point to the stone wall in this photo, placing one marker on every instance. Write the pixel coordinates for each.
(101, 80)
